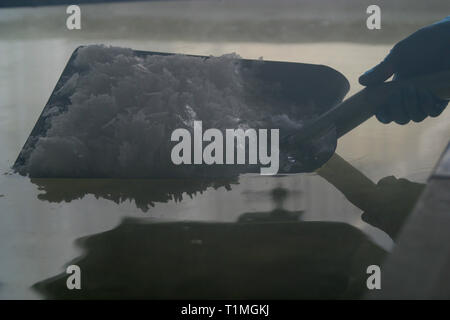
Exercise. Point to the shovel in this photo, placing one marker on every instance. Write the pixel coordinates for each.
(300, 83)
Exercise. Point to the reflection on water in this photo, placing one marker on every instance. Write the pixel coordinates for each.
(41, 220)
(279, 213)
(143, 192)
(268, 254)
(386, 205)
(221, 260)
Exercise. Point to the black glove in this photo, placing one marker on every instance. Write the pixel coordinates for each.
(425, 51)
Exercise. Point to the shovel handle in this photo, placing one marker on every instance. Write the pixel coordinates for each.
(361, 106)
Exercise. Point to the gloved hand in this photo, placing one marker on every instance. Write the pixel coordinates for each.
(425, 51)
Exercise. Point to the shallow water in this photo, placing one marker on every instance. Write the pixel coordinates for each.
(39, 221)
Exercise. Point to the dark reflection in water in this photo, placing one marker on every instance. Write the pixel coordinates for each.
(386, 205)
(221, 260)
(278, 195)
(263, 255)
(144, 192)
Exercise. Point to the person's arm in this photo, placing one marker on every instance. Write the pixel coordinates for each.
(425, 51)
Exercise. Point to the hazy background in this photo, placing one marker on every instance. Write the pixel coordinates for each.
(281, 21)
